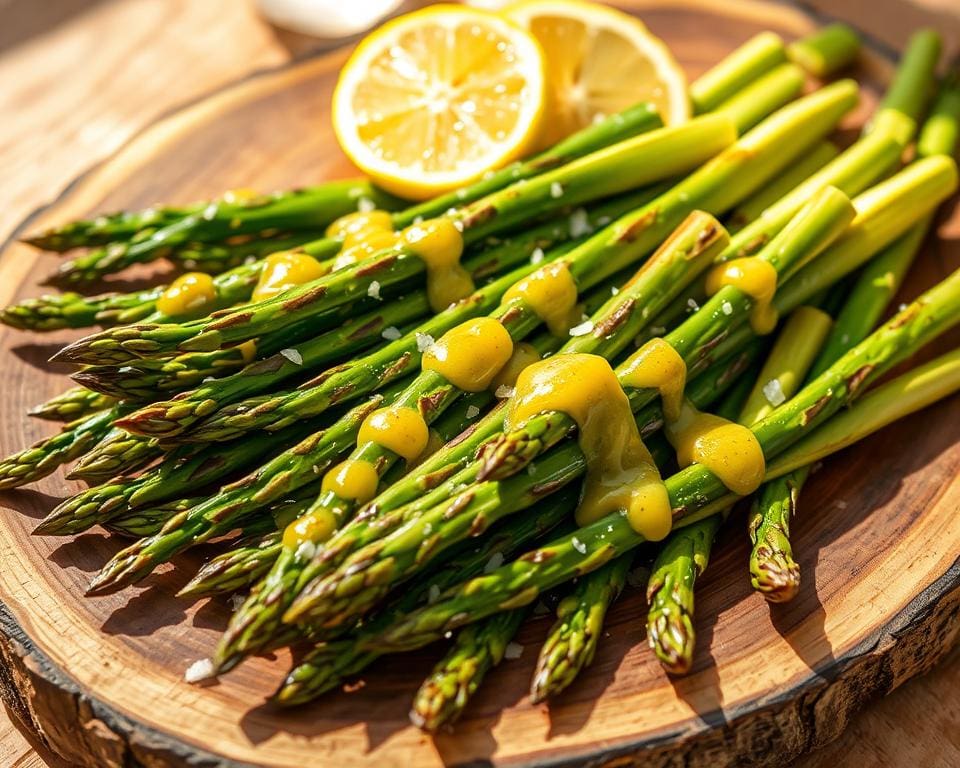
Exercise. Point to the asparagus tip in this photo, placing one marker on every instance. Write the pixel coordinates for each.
(777, 578)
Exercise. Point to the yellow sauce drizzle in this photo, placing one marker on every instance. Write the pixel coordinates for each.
(757, 278)
(730, 451)
(524, 355)
(620, 471)
(315, 526)
(658, 365)
(551, 293)
(361, 245)
(439, 244)
(366, 221)
(285, 270)
(353, 479)
(191, 294)
(469, 355)
(398, 429)
(240, 195)
(248, 350)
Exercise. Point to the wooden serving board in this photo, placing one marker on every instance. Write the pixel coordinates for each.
(100, 680)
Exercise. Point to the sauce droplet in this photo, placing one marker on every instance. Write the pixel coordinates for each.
(191, 294)
(353, 479)
(621, 474)
(756, 278)
(551, 293)
(657, 365)
(471, 354)
(398, 429)
(285, 270)
(439, 244)
(730, 451)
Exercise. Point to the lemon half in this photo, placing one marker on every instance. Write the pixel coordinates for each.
(599, 62)
(435, 99)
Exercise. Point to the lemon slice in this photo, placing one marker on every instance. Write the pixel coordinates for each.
(435, 99)
(599, 62)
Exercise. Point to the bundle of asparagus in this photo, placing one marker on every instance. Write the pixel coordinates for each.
(392, 413)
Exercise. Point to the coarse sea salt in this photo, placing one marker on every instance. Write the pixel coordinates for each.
(583, 329)
(373, 290)
(391, 333)
(579, 223)
(774, 392)
(201, 669)
(513, 651)
(292, 355)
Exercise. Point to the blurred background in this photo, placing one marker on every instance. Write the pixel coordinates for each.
(78, 78)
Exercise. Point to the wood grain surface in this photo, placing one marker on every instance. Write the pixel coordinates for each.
(862, 579)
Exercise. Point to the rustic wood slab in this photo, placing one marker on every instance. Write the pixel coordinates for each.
(101, 679)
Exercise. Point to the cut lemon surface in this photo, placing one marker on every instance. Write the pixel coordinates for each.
(435, 99)
(599, 62)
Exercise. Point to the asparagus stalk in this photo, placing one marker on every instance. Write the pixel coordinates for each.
(573, 639)
(752, 208)
(746, 64)
(691, 248)
(691, 490)
(43, 457)
(763, 97)
(325, 595)
(911, 89)
(773, 570)
(117, 453)
(75, 403)
(476, 650)
(187, 470)
(144, 522)
(168, 419)
(283, 474)
(235, 213)
(71, 310)
(233, 251)
(331, 662)
(813, 229)
(643, 160)
(686, 553)
(238, 567)
(670, 593)
(827, 51)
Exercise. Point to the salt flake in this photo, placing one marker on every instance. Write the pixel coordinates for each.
(556, 190)
(391, 333)
(504, 391)
(579, 223)
(202, 669)
(578, 545)
(373, 290)
(583, 329)
(774, 392)
(513, 651)
(292, 355)
(424, 341)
